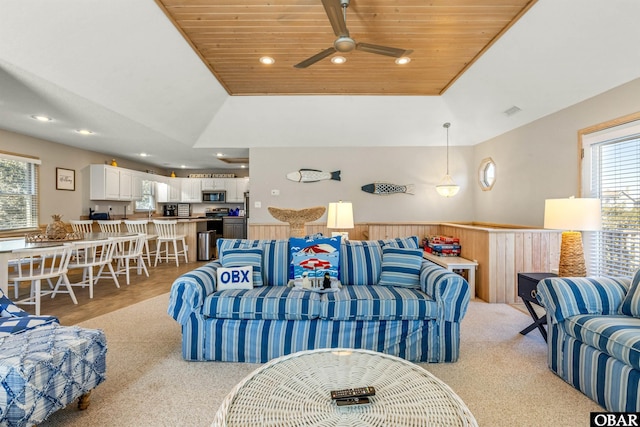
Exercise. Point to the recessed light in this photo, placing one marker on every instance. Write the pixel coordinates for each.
(84, 132)
(267, 60)
(219, 154)
(403, 60)
(143, 154)
(182, 166)
(242, 166)
(41, 118)
(338, 59)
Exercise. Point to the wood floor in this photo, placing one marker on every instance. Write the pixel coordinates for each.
(106, 297)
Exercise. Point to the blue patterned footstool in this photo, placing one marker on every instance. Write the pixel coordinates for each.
(46, 368)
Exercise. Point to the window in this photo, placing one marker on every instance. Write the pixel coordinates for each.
(612, 167)
(148, 201)
(18, 192)
(487, 174)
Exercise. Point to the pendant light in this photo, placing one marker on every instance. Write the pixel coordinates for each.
(447, 187)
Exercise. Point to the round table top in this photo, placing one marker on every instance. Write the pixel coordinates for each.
(294, 390)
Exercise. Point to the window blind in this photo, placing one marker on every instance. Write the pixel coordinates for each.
(18, 192)
(615, 179)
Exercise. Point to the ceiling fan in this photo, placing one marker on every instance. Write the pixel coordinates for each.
(337, 13)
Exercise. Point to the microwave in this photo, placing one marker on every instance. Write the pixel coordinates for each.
(214, 196)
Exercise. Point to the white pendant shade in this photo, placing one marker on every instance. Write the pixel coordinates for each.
(446, 187)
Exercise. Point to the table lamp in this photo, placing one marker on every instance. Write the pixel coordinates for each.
(572, 215)
(340, 216)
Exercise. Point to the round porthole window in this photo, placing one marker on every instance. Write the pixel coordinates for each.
(487, 174)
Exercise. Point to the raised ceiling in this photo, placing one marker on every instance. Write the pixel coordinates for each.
(446, 37)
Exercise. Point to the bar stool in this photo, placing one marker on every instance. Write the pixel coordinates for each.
(81, 225)
(37, 264)
(140, 226)
(110, 226)
(166, 230)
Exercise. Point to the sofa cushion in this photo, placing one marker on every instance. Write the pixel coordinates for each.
(361, 262)
(245, 257)
(267, 302)
(615, 335)
(315, 256)
(378, 303)
(631, 303)
(275, 259)
(401, 242)
(401, 267)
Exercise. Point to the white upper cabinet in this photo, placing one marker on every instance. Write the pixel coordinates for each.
(212, 184)
(236, 188)
(191, 190)
(110, 183)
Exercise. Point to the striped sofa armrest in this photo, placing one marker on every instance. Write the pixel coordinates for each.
(564, 297)
(449, 290)
(190, 289)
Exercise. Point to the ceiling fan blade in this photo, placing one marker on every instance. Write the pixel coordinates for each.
(383, 50)
(315, 58)
(335, 14)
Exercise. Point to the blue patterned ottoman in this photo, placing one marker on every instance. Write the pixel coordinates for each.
(46, 368)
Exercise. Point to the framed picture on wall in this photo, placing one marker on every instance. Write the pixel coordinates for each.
(65, 179)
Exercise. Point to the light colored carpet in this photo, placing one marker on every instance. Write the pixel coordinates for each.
(501, 375)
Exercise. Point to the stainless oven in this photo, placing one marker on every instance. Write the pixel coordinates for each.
(214, 196)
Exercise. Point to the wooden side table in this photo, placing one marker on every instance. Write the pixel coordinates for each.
(527, 283)
(456, 263)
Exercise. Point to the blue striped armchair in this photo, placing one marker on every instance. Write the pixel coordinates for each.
(594, 337)
(419, 323)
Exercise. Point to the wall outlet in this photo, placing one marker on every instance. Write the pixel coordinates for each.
(96, 207)
(109, 207)
(257, 204)
(275, 192)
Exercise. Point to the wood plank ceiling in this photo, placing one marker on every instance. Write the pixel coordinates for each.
(446, 37)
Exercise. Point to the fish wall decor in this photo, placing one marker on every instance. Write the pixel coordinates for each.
(385, 188)
(312, 175)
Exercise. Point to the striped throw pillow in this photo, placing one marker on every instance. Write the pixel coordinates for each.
(401, 267)
(631, 303)
(245, 257)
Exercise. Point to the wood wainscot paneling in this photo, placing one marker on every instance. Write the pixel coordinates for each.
(281, 231)
(502, 253)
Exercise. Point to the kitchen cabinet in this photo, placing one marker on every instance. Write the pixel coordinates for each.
(110, 183)
(169, 190)
(212, 184)
(234, 227)
(235, 188)
(136, 185)
(190, 190)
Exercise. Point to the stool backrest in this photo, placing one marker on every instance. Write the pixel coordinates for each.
(130, 247)
(137, 226)
(81, 225)
(165, 229)
(41, 263)
(110, 226)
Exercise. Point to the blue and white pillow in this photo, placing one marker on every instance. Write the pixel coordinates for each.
(401, 267)
(631, 304)
(314, 256)
(241, 257)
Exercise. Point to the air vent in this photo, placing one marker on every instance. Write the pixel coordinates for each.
(511, 111)
(234, 160)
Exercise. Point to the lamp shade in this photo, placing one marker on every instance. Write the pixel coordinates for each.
(340, 215)
(573, 214)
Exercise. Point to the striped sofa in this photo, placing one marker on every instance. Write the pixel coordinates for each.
(594, 337)
(418, 324)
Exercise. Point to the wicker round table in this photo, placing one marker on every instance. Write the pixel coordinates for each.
(294, 390)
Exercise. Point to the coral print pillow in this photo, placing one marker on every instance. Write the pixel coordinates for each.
(314, 257)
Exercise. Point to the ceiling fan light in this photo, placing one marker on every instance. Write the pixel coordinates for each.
(403, 60)
(338, 59)
(267, 60)
(344, 44)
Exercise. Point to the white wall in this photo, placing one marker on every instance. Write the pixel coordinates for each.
(70, 204)
(421, 166)
(540, 160)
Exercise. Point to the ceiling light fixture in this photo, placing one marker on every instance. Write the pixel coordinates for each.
(403, 60)
(143, 154)
(447, 188)
(267, 60)
(84, 132)
(41, 118)
(220, 154)
(338, 60)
